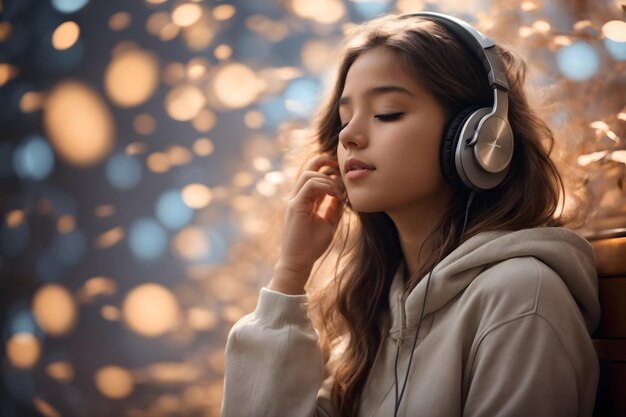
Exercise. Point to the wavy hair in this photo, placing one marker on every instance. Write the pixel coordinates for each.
(351, 312)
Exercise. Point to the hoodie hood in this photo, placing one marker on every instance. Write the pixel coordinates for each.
(568, 254)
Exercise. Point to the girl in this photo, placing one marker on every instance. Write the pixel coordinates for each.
(458, 295)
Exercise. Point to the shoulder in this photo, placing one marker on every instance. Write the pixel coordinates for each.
(515, 288)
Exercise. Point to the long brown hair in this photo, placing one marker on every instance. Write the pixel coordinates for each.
(352, 310)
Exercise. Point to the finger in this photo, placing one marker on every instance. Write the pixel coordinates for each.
(316, 189)
(320, 161)
(304, 177)
(334, 211)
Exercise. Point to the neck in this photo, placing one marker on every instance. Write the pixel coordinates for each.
(414, 225)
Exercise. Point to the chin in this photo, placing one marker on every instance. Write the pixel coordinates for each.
(365, 206)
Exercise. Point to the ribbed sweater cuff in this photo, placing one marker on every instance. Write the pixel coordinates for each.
(277, 308)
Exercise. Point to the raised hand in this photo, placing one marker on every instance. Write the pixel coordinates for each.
(307, 232)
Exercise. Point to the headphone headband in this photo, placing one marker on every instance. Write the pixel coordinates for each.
(479, 44)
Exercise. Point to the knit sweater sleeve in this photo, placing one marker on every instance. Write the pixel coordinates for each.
(273, 363)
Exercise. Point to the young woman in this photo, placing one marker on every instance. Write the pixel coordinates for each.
(458, 294)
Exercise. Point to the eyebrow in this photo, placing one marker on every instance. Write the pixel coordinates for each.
(376, 91)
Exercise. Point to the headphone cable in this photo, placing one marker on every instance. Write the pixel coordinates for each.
(470, 199)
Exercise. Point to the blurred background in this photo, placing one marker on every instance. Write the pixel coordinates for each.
(146, 149)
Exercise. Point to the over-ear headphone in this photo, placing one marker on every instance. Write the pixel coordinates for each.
(477, 146)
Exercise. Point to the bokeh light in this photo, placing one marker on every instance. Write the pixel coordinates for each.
(114, 382)
(172, 211)
(150, 310)
(235, 85)
(123, 171)
(147, 239)
(69, 6)
(65, 35)
(578, 61)
(54, 309)
(23, 350)
(131, 77)
(186, 14)
(33, 159)
(184, 102)
(78, 123)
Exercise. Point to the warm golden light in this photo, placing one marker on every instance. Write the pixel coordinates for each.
(203, 147)
(119, 21)
(201, 319)
(5, 30)
(172, 372)
(186, 14)
(110, 313)
(114, 382)
(615, 30)
(197, 68)
(169, 32)
(15, 218)
(199, 36)
(177, 155)
(322, 11)
(110, 238)
(184, 102)
(158, 162)
(66, 224)
(541, 26)
(65, 35)
(23, 350)
(408, 6)
(196, 196)
(61, 371)
(242, 179)
(144, 124)
(45, 408)
(224, 12)
(223, 51)
(528, 6)
(254, 119)
(316, 56)
(7, 73)
(78, 123)
(131, 77)
(136, 148)
(156, 22)
(174, 73)
(54, 309)
(150, 310)
(31, 101)
(98, 286)
(204, 121)
(235, 85)
(191, 243)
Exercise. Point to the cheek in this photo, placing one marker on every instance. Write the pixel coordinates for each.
(341, 158)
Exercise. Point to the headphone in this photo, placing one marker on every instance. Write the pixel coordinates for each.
(477, 146)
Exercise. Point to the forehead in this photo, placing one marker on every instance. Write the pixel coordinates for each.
(377, 67)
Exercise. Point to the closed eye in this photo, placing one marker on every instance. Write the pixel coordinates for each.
(389, 117)
(382, 117)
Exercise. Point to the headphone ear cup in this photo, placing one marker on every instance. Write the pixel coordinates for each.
(449, 144)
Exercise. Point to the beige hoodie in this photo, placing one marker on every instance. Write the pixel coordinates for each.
(506, 332)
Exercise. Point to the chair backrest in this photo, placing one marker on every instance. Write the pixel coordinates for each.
(610, 337)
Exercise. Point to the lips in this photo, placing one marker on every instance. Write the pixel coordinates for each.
(355, 169)
(354, 164)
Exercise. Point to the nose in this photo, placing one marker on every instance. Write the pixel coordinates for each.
(353, 135)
